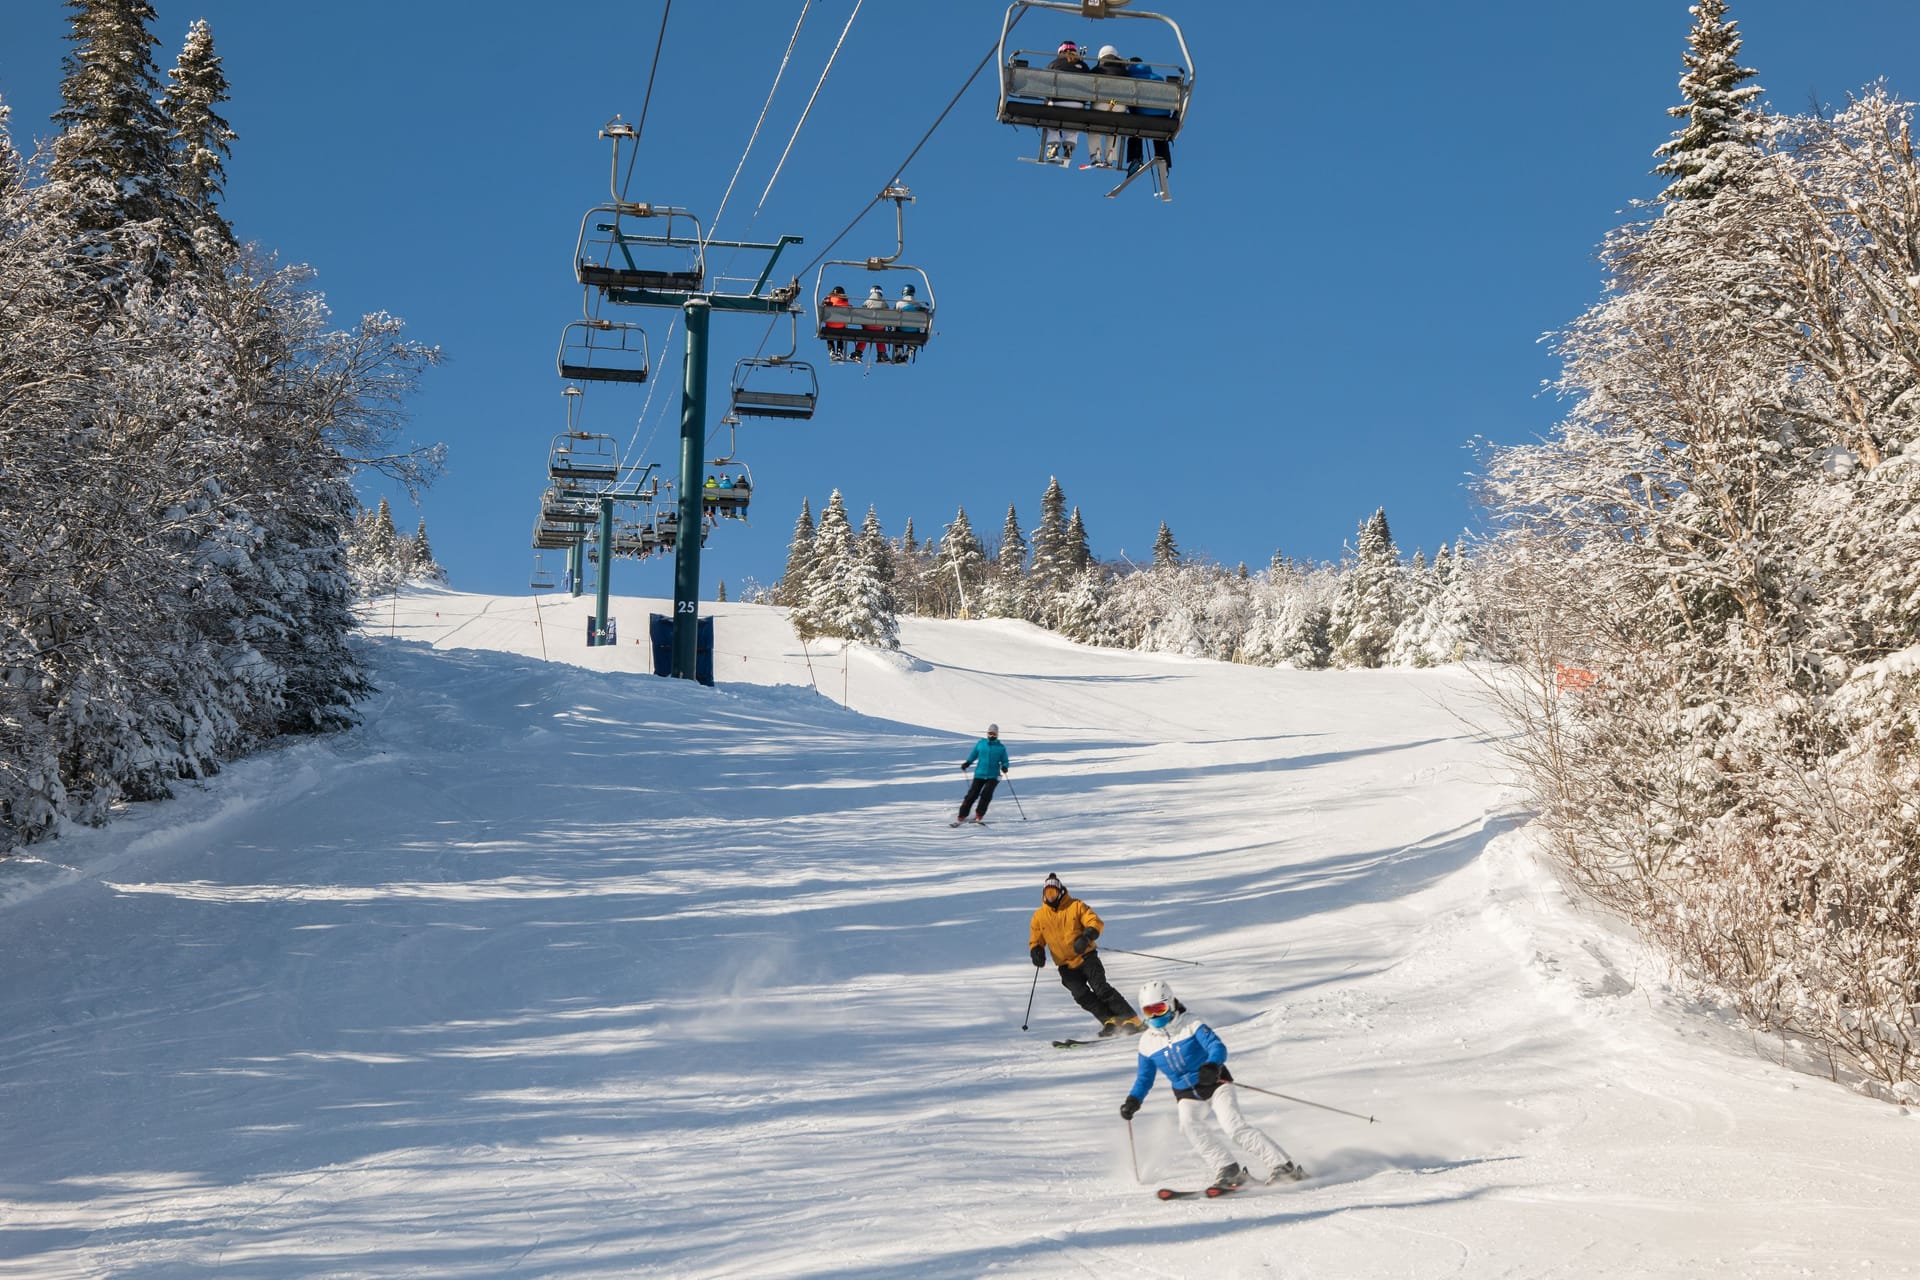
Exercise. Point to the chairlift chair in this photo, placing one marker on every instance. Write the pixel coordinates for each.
(603, 351)
(542, 579)
(727, 501)
(604, 256)
(881, 325)
(582, 458)
(1151, 108)
(552, 536)
(775, 386)
(557, 509)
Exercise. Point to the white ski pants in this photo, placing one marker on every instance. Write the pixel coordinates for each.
(1202, 1122)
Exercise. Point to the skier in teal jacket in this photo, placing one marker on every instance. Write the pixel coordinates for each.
(988, 760)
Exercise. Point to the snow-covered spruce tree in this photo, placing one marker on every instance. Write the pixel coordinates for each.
(846, 597)
(1052, 569)
(962, 568)
(1719, 540)
(1005, 592)
(1078, 552)
(1372, 598)
(793, 583)
(380, 557)
(201, 138)
(1716, 105)
(112, 175)
(1440, 623)
(1166, 554)
(424, 567)
(878, 553)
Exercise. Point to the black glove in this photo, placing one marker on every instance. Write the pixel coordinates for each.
(1209, 1080)
(1085, 940)
(1128, 1106)
(1039, 955)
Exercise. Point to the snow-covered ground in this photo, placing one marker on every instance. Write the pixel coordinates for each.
(557, 969)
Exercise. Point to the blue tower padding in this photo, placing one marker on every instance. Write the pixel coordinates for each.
(660, 632)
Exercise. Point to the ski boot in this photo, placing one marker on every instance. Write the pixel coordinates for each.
(1133, 1026)
(1229, 1178)
(1288, 1172)
(1109, 1028)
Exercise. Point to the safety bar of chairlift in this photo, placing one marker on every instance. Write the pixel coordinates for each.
(1098, 10)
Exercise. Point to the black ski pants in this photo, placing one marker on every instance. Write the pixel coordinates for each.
(1087, 983)
(982, 791)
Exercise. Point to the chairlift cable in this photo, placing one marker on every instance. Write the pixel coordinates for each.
(713, 225)
(992, 55)
(807, 110)
(659, 43)
(652, 384)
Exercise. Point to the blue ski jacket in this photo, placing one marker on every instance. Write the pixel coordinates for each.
(1177, 1051)
(988, 758)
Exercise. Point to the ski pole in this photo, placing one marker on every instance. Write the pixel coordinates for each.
(1131, 1153)
(1303, 1102)
(1149, 955)
(1016, 798)
(1030, 992)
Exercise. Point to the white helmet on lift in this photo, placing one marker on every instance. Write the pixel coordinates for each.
(1157, 1004)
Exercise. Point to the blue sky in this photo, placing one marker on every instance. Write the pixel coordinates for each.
(1378, 210)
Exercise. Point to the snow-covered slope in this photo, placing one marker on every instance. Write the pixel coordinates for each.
(555, 968)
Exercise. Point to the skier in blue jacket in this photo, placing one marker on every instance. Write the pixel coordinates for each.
(988, 760)
(1194, 1061)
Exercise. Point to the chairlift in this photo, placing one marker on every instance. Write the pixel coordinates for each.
(542, 579)
(558, 509)
(603, 351)
(848, 329)
(776, 386)
(553, 536)
(604, 256)
(578, 458)
(1149, 104)
(727, 496)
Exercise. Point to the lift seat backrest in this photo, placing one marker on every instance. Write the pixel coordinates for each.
(599, 373)
(575, 469)
(909, 328)
(1158, 96)
(600, 276)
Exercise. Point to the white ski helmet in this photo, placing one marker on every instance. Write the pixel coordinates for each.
(1157, 1004)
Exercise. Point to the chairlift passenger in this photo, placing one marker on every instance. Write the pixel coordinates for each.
(874, 301)
(1103, 149)
(908, 302)
(1061, 142)
(837, 347)
(1162, 147)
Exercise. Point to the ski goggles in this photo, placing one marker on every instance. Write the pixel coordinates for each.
(1154, 1010)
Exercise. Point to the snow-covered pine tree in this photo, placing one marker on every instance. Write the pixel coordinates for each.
(112, 174)
(876, 550)
(821, 612)
(422, 565)
(720, 591)
(1079, 554)
(1371, 601)
(1716, 105)
(201, 138)
(963, 567)
(846, 597)
(1166, 554)
(381, 559)
(793, 583)
(1005, 593)
(1052, 571)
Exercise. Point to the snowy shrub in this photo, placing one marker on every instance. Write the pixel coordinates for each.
(1710, 578)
